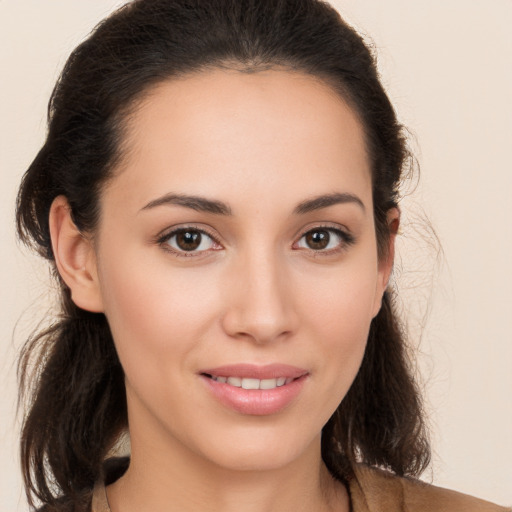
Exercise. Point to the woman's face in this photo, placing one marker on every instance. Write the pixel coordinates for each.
(236, 249)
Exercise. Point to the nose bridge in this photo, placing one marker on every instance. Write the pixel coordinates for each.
(261, 307)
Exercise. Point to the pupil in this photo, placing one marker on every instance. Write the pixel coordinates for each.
(188, 240)
(318, 239)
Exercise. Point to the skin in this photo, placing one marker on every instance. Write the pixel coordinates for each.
(255, 292)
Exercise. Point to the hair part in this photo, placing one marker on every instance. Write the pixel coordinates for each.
(77, 403)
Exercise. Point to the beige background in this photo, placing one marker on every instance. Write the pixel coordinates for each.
(448, 67)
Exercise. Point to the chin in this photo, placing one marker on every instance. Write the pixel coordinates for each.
(261, 451)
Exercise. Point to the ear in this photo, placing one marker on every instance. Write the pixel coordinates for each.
(385, 265)
(75, 257)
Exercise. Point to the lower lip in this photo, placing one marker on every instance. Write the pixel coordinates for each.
(257, 402)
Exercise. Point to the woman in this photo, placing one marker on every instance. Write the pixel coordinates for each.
(218, 194)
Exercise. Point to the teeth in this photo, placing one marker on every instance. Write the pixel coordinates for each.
(235, 381)
(251, 383)
(248, 383)
(268, 383)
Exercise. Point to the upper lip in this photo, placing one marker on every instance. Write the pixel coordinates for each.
(252, 371)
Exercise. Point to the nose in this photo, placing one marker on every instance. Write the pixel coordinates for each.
(260, 302)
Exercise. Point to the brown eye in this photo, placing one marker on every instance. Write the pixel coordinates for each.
(318, 239)
(189, 240)
(325, 240)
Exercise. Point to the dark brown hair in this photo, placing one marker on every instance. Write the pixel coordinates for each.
(75, 390)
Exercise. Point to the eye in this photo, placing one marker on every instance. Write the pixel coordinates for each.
(188, 240)
(324, 239)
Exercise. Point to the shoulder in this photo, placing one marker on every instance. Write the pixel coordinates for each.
(375, 490)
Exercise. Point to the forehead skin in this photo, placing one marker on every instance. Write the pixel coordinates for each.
(225, 122)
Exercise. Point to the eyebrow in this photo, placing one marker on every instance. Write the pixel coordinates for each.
(202, 204)
(326, 200)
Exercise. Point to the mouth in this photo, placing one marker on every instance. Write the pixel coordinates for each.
(251, 383)
(255, 390)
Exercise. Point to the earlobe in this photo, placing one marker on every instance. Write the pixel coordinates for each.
(386, 261)
(75, 257)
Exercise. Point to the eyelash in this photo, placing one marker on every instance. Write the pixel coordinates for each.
(164, 239)
(347, 240)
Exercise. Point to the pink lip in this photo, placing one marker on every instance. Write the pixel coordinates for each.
(256, 402)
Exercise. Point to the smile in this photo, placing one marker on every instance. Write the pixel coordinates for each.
(252, 383)
(253, 389)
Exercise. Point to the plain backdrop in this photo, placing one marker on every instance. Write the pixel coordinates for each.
(447, 65)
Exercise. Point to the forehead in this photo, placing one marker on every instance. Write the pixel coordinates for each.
(222, 130)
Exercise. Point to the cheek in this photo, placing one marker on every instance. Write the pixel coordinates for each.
(341, 326)
(155, 315)
(340, 304)
(337, 315)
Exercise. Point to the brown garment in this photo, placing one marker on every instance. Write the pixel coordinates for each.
(373, 490)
